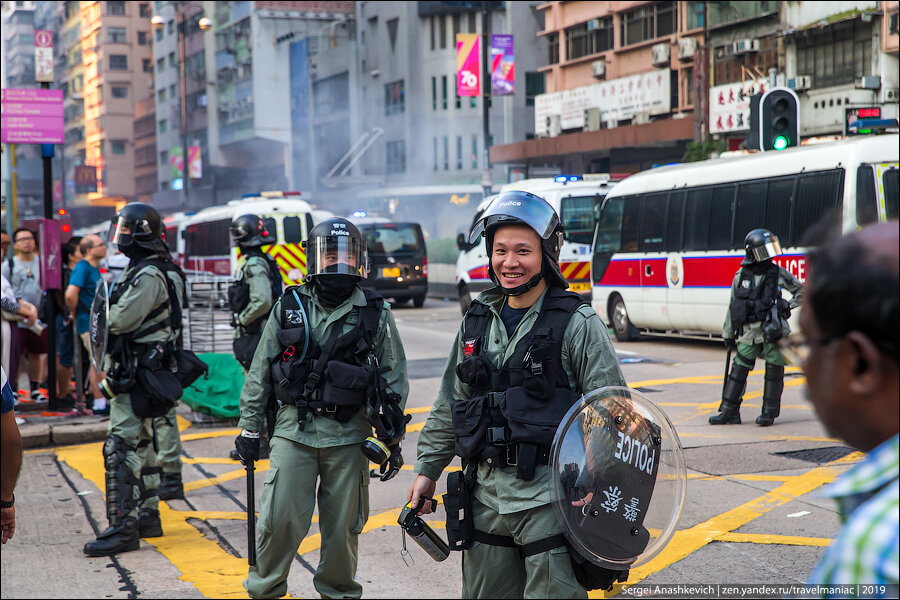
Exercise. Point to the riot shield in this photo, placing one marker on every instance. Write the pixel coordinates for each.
(99, 324)
(618, 478)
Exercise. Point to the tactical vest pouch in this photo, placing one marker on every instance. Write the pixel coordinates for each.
(245, 347)
(475, 372)
(347, 386)
(238, 296)
(189, 366)
(285, 391)
(155, 392)
(470, 423)
(535, 419)
(458, 504)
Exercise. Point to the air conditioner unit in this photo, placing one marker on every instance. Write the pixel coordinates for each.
(660, 54)
(593, 24)
(598, 69)
(800, 83)
(592, 119)
(640, 119)
(745, 46)
(686, 48)
(554, 125)
(869, 82)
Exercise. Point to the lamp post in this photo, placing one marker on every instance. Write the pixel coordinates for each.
(158, 22)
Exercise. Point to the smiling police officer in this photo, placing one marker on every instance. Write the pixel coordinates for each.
(331, 356)
(526, 352)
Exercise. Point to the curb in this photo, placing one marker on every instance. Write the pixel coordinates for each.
(40, 435)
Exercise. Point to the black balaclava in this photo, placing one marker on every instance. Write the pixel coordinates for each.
(333, 289)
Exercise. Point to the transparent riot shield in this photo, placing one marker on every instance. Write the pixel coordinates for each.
(618, 477)
(99, 325)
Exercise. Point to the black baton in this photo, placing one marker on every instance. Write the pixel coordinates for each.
(251, 514)
(727, 369)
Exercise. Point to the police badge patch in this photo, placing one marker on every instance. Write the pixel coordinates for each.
(294, 317)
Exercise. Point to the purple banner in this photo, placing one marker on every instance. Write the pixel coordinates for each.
(31, 116)
(503, 66)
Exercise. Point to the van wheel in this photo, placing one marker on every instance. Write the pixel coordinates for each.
(418, 301)
(465, 298)
(618, 316)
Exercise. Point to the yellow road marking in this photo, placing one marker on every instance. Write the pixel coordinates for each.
(763, 538)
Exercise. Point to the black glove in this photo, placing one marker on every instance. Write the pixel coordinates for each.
(730, 344)
(392, 465)
(247, 447)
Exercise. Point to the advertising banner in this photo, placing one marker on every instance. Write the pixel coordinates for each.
(85, 179)
(31, 116)
(43, 56)
(176, 162)
(729, 105)
(468, 65)
(503, 66)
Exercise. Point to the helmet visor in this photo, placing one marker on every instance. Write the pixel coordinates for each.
(336, 255)
(767, 251)
(119, 231)
(518, 206)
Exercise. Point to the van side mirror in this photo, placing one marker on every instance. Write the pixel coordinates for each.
(461, 244)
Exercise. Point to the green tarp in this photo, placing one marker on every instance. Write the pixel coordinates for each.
(219, 395)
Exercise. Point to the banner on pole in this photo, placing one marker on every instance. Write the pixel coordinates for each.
(503, 66)
(468, 65)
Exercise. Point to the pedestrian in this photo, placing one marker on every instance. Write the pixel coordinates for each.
(850, 354)
(79, 299)
(144, 317)
(256, 287)
(331, 357)
(756, 319)
(10, 460)
(65, 337)
(526, 351)
(24, 273)
(4, 241)
(14, 311)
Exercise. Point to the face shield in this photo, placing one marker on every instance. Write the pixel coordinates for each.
(336, 255)
(767, 251)
(518, 206)
(120, 232)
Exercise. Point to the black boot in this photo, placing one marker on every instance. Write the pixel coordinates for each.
(171, 487)
(148, 523)
(117, 538)
(774, 385)
(730, 409)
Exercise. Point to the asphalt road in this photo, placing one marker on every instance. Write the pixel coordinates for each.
(751, 514)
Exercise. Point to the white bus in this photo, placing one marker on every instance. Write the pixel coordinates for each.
(668, 241)
(574, 198)
(207, 239)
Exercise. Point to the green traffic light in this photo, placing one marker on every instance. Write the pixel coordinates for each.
(780, 143)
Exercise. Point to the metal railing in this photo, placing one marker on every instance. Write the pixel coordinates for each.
(208, 323)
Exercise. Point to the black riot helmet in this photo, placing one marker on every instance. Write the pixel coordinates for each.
(336, 247)
(761, 245)
(144, 228)
(524, 208)
(250, 231)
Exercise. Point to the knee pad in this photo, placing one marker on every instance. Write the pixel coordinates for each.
(114, 451)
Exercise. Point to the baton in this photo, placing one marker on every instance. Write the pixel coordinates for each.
(727, 369)
(251, 514)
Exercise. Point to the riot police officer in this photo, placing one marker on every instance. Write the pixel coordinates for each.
(526, 352)
(331, 358)
(256, 288)
(144, 317)
(756, 319)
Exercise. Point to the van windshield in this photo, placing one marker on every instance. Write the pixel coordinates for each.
(393, 238)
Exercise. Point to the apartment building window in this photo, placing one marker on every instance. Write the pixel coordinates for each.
(721, 13)
(119, 91)
(836, 57)
(534, 85)
(148, 65)
(171, 59)
(695, 15)
(159, 35)
(689, 86)
(396, 157)
(142, 38)
(394, 98)
(552, 48)
(164, 157)
(455, 25)
(161, 95)
(170, 27)
(118, 62)
(459, 159)
(443, 32)
(163, 126)
(474, 151)
(446, 153)
(728, 66)
(434, 93)
(582, 40)
(431, 21)
(161, 64)
(648, 22)
(145, 9)
(472, 23)
(443, 92)
(435, 154)
(118, 146)
(115, 8)
(458, 101)
(172, 91)
(117, 35)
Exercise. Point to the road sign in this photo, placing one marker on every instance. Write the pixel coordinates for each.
(43, 56)
(31, 116)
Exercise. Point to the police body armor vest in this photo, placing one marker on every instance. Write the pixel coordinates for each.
(514, 410)
(239, 291)
(337, 377)
(174, 320)
(752, 301)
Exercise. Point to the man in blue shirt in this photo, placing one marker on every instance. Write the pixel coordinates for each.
(80, 296)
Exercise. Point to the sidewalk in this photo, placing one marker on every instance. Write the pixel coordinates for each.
(39, 431)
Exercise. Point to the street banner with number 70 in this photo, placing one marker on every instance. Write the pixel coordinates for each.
(468, 65)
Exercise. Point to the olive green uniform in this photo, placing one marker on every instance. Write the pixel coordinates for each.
(750, 341)
(505, 505)
(326, 450)
(256, 272)
(146, 292)
(168, 437)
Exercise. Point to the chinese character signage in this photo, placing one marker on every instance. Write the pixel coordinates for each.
(43, 56)
(729, 105)
(31, 116)
(468, 65)
(503, 66)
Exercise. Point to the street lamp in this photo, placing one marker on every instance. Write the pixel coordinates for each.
(158, 22)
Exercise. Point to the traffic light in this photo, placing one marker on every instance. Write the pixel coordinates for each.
(779, 119)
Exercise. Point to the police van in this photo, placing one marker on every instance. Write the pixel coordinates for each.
(574, 198)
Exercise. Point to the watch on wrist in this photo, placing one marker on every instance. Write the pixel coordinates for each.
(5, 504)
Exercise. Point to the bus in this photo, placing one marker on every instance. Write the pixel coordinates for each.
(669, 241)
(207, 246)
(574, 198)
